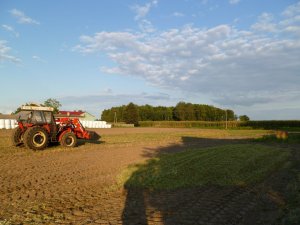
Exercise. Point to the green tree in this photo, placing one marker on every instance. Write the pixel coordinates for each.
(230, 114)
(19, 109)
(146, 112)
(179, 111)
(107, 115)
(16, 111)
(190, 114)
(131, 114)
(55, 104)
(244, 118)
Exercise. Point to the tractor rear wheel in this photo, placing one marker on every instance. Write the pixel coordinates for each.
(69, 139)
(36, 138)
(17, 137)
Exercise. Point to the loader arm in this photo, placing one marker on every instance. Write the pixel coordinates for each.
(74, 125)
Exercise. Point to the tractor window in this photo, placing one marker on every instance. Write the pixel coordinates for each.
(25, 115)
(48, 117)
(37, 117)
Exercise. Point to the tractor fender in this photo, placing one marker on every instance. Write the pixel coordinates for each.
(62, 134)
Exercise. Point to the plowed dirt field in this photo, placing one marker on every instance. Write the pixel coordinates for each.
(79, 185)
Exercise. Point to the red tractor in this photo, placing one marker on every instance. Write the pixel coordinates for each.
(37, 127)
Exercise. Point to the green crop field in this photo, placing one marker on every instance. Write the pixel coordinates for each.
(241, 164)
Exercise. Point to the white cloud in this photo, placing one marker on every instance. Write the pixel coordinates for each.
(265, 23)
(10, 29)
(178, 14)
(293, 29)
(108, 41)
(292, 10)
(141, 11)
(22, 18)
(238, 67)
(5, 53)
(146, 26)
(234, 2)
(38, 59)
(290, 24)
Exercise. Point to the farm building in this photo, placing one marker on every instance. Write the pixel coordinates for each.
(76, 114)
(9, 117)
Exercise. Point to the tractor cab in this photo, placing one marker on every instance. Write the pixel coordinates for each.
(36, 115)
(30, 116)
(37, 125)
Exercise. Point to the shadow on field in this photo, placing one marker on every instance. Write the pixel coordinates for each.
(192, 142)
(206, 204)
(83, 142)
(213, 202)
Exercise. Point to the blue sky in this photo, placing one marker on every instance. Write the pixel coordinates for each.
(91, 55)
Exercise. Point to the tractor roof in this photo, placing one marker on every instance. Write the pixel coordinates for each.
(36, 108)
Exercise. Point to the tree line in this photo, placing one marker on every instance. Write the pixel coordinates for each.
(183, 111)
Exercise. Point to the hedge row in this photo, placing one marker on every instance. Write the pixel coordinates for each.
(263, 124)
(188, 124)
(273, 124)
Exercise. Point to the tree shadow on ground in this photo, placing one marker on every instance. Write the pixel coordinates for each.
(191, 142)
(206, 204)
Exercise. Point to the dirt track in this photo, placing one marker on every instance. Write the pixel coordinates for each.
(78, 186)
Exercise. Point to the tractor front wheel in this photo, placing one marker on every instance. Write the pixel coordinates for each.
(17, 137)
(69, 139)
(36, 138)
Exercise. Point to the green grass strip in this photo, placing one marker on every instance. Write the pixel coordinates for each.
(241, 164)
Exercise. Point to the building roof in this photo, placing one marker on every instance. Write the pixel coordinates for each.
(87, 113)
(75, 114)
(71, 113)
(11, 117)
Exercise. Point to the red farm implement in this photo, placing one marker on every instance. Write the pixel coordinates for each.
(37, 127)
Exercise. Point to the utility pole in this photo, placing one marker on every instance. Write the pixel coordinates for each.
(226, 118)
(115, 117)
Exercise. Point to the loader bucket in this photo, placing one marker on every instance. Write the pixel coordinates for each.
(94, 136)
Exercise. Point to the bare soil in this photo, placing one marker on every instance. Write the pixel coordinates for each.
(78, 186)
